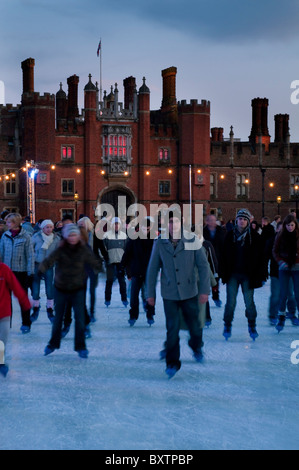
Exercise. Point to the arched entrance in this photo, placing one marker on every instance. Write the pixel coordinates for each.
(119, 197)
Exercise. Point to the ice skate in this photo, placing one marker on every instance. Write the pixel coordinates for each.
(227, 332)
(50, 313)
(35, 314)
(48, 350)
(150, 321)
(252, 332)
(83, 353)
(4, 369)
(131, 321)
(25, 329)
(198, 355)
(125, 303)
(107, 303)
(281, 322)
(171, 371)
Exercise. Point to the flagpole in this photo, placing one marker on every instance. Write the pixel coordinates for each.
(101, 90)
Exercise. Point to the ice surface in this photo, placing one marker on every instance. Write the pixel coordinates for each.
(244, 396)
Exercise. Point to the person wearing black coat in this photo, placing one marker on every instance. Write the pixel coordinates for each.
(275, 286)
(242, 265)
(135, 260)
(215, 234)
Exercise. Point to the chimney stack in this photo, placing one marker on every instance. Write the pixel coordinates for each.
(28, 75)
(73, 110)
(129, 86)
(281, 127)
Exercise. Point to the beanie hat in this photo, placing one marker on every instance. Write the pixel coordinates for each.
(46, 222)
(245, 214)
(70, 228)
(115, 220)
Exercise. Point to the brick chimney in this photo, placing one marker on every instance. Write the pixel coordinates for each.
(28, 75)
(281, 127)
(73, 110)
(129, 88)
(260, 121)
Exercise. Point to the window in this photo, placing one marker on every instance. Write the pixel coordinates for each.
(67, 186)
(164, 188)
(67, 212)
(116, 148)
(242, 185)
(67, 153)
(10, 182)
(212, 184)
(294, 181)
(164, 155)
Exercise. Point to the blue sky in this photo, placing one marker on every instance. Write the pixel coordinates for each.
(226, 51)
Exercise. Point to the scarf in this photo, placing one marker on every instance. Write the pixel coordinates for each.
(240, 237)
(48, 240)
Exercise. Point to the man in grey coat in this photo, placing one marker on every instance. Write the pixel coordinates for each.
(185, 282)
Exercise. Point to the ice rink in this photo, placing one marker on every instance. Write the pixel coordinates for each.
(244, 395)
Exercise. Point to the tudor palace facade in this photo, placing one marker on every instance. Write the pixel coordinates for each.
(54, 160)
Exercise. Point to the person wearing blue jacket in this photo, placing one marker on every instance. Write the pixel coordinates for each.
(16, 251)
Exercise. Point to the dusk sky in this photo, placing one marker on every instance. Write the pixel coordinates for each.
(226, 51)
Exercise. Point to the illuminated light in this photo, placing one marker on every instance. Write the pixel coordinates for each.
(7, 177)
(147, 173)
(126, 173)
(78, 170)
(53, 167)
(296, 187)
(28, 165)
(271, 185)
(32, 173)
(170, 172)
(199, 171)
(13, 175)
(24, 168)
(247, 181)
(222, 177)
(103, 172)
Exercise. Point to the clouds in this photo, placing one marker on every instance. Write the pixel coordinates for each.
(219, 20)
(226, 51)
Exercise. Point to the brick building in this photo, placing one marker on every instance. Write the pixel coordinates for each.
(115, 148)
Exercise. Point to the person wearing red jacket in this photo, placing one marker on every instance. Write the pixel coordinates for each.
(8, 284)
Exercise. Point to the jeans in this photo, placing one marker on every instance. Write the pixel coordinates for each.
(232, 288)
(77, 300)
(48, 277)
(285, 275)
(190, 310)
(23, 279)
(275, 295)
(117, 270)
(137, 285)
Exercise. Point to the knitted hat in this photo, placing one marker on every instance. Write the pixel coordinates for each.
(245, 214)
(46, 222)
(115, 220)
(70, 228)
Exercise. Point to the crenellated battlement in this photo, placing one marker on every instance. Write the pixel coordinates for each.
(36, 99)
(194, 106)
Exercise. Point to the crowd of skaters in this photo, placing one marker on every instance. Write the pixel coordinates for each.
(65, 255)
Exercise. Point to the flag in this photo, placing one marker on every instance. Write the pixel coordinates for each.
(99, 47)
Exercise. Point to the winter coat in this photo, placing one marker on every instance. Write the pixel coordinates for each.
(282, 249)
(114, 243)
(217, 242)
(17, 252)
(136, 256)
(40, 253)
(181, 267)
(8, 284)
(71, 264)
(252, 266)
